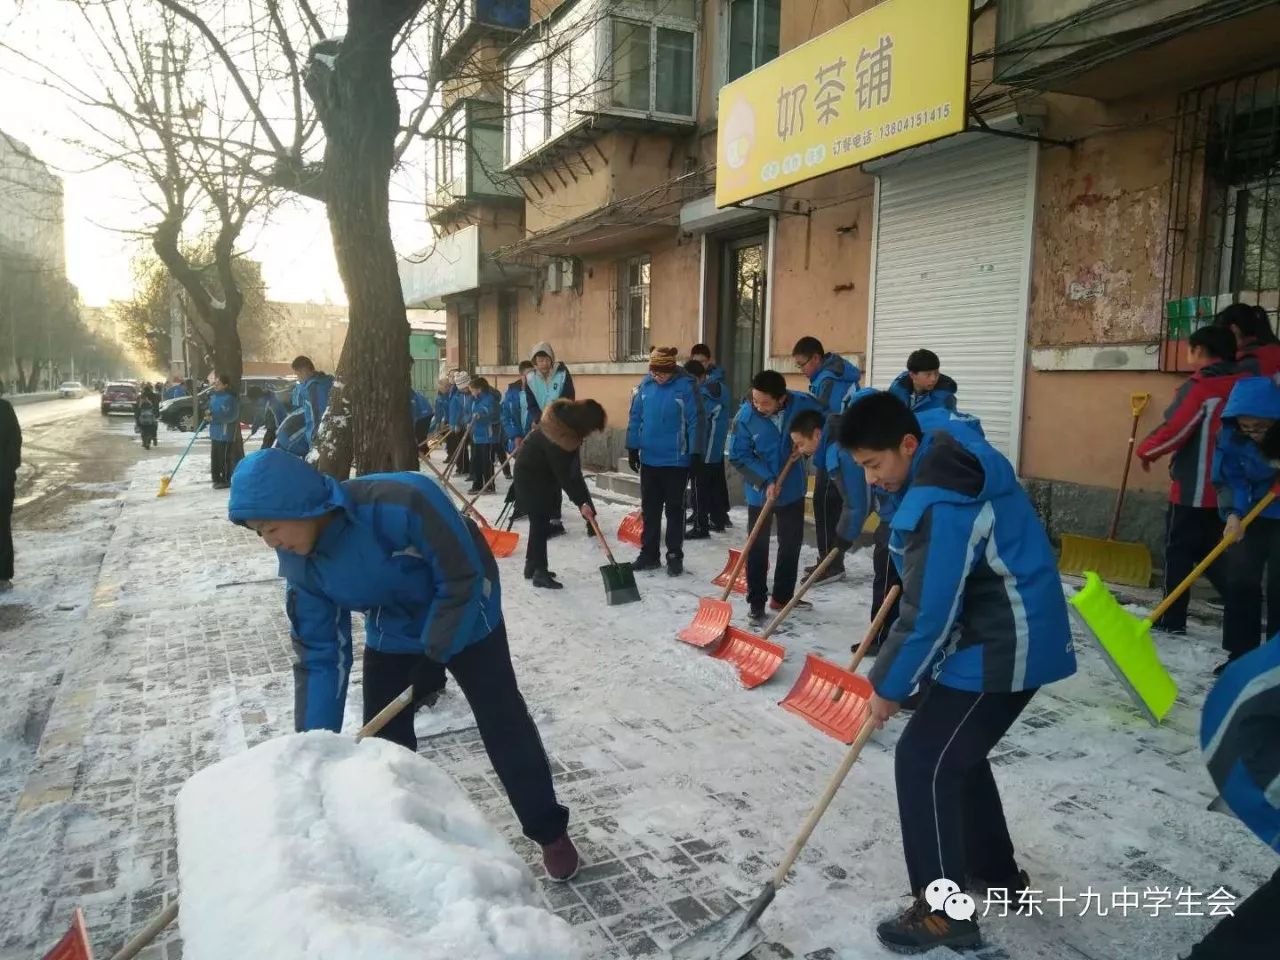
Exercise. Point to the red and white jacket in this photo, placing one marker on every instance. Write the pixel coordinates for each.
(1190, 432)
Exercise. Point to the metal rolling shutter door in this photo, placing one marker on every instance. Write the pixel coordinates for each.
(952, 258)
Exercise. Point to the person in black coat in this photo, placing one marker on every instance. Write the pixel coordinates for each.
(10, 458)
(548, 462)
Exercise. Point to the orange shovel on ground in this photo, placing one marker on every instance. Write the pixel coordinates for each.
(834, 699)
(712, 618)
(631, 529)
(502, 543)
(757, 657)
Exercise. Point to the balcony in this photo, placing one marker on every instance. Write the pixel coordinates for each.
(473, 20)
(592, 67)
(1105, 50)
(465, 160)
(458, 264)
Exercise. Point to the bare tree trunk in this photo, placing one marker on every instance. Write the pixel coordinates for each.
(356, 103)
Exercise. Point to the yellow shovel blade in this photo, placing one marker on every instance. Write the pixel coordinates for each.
(1127, 645)
(164, 485)
(1113, 560)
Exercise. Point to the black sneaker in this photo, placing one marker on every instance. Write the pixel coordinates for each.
(528, 574)
(545, 581)
(800, 607)
(727, 522)
(832, 574)
(716, 527)
(694, 533)
(555, 529)
(675, 566)
(919, 929)
(756, 614)
(645, 563)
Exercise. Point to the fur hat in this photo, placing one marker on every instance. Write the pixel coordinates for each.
(663, 359)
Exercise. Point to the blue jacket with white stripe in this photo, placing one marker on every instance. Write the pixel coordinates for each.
(982, 605)
(760, 445)
(311, 396)
(515, 413)
(1240, 737)
(666, 423)
(486, 417)
(715, 407)
(224, 416)
(396, 550)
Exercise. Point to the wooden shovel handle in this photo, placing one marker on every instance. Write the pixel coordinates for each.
(877, 624)
(864, 734)
(603, 542)
(506, 458)
(386, 714)
(796, 597)
(1137, 403)
(448, 467)
(1207, 562)
(755, 530)
(466, 507)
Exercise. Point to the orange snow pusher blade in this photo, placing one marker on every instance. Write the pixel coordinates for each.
(631, 530)
(722, 578)
(502, 543)
(756, 658)
(830, 698)
(709, 623)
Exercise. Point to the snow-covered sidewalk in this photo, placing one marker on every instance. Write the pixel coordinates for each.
(684, 788)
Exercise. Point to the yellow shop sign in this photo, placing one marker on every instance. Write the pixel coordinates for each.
(895, 76)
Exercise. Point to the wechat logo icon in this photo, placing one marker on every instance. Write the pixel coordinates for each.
(945, 896)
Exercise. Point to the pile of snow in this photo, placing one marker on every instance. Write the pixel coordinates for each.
(313, 846)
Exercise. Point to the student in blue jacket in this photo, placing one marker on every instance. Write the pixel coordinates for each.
(459, 420)
(983, 612)
(486, 430)
(1242, 475)
(923, 386)
(759, 447)
(664, 441)
(831, 376)
(440, 404)
(291, 435)
(714, 389)
(224, 431)
(515, 414)
(548, 381)
(394, 548)
(1240, 737)
(420, 412)
(311, 395)
(708, 514)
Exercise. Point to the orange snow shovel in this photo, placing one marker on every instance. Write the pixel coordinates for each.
(631, 529)
(1126, 641)
(757, 657)
(736, 934)
(155, 926)
(712, 618)
(1112, 559)
(502, 543)
(835, 700)
(457, 451)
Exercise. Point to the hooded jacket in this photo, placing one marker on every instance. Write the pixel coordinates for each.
(515, 413)
(982, 605)
(715, 408)
(1241, 474)
(830, 383)
(1240, 737)
(942, 395)
(291, 435)
(542, 391)
(760, 446)
(548, 462)
(861, 498)
(1190, 434)
(1260, 359)
(224, 416)
(486, 417)
(666, 423)
(311, 396)
(396, 550)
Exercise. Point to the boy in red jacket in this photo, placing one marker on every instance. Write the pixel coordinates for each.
(1188, 436)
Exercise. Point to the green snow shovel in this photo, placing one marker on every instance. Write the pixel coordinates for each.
(619, 578)
(736, 934)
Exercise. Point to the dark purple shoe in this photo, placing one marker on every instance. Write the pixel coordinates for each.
(561, 860)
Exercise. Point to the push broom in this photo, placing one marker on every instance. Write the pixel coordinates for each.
(168, 477)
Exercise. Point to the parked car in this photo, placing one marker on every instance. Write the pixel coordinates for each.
(177, 413)
(71, 390)
(119, 397)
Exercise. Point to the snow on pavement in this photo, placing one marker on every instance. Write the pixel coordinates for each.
(684, 788)
(313, 846)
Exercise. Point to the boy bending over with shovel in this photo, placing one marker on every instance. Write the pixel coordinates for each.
(393, 547)
(982, 611)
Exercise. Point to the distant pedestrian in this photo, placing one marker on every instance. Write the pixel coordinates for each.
(224, 428)
(715, 391)
(486, 430)
(146, 416)
(10, 460)
(175, 389)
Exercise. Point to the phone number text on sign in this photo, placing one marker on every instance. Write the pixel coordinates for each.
(920, 118)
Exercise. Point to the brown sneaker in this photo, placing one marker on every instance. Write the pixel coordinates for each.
(561, 860)
(920, 928)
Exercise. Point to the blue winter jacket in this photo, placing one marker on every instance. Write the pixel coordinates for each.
(515, 413)
(174, 391)
(982, 605)
(1241, 474)
(666, 423)
(830, 383)
(291, 435)
(759, 447)
(396, 550)
(456, 400)
(486, 417)
(311, 396)
(1240, 737)
(224, 415)
(943, 395)
(441, 412)
(419, 408)
(716, 410)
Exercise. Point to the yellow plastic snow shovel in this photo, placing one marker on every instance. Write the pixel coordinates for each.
(1126, 641)
(1111, 559)
(168, 477)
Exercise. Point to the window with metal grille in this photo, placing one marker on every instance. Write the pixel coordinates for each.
(468, 337)
(633, 309)
(1223, 243)
(508, 343)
